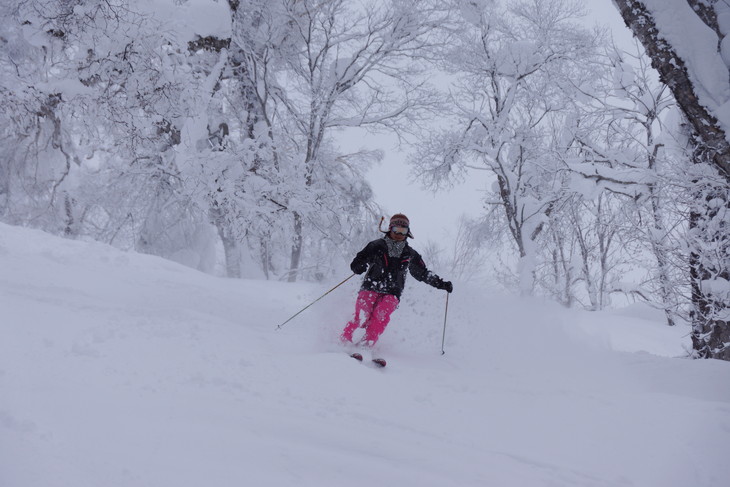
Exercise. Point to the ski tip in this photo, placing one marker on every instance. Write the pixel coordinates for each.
(356, 356)
(380, 362)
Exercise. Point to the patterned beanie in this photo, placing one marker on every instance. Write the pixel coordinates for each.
(400, 220)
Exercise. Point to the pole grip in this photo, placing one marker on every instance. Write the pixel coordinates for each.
(443, 337)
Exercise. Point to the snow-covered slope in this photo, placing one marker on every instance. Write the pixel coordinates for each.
(119, 369)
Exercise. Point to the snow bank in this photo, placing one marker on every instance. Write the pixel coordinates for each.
(119, 369)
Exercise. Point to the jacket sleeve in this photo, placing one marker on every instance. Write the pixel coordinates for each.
(360, 263)
(420, 272)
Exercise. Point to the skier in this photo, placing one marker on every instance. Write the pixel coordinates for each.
(386, 261)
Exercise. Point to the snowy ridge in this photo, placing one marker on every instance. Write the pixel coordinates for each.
(119, 369)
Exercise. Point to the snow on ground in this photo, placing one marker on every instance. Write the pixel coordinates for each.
(118, 369)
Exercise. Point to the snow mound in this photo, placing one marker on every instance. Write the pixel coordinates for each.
(119, 369)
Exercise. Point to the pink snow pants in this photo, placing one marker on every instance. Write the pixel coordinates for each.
(372, 312)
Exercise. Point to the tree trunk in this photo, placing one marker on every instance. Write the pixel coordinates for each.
(267, 263)
(658, 237)
(70, 228)
(232, 254)
(231, 249)
(710, 273)
(296, 250)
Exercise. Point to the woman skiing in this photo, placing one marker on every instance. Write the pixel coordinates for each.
(386, 261)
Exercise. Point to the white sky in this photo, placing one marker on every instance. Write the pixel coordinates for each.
(435, 216)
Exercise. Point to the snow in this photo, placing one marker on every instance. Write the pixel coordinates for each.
(119, 369)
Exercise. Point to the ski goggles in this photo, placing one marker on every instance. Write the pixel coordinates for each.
(399, 230)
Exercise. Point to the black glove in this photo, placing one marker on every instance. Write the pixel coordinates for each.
(359, 269)
(447, 286)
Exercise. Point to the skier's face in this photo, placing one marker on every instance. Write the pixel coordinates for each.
(398, 233)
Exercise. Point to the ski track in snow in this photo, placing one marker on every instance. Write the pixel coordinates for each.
(119, 369)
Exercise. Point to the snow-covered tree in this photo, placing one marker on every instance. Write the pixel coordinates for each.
(142, 132)
(39, 152)
(511, 63)
(354, 66)
(619, 136)
(691, 57)
(78, 78)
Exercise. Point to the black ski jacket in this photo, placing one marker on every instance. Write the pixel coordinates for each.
(387, 274)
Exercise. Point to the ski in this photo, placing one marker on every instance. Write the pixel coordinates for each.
(380, 362)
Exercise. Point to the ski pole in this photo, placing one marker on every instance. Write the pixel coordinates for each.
(310, 304)
(446, 312)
